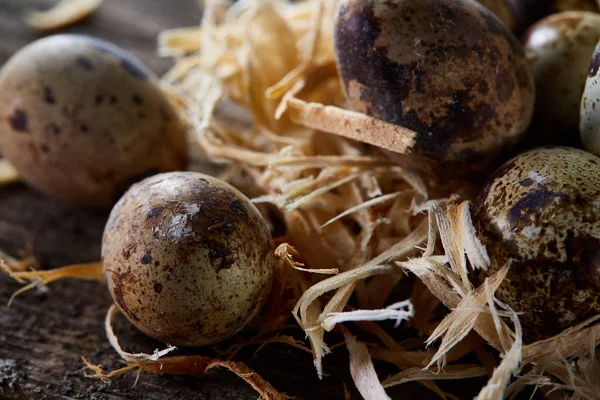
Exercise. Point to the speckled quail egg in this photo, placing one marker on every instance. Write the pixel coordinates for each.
(188, 259)
(449, 70)
(542, 209)
(81, 119)
(559, 48)
(589, 121)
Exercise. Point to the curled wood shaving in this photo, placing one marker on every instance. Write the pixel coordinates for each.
(573, 342)
(362, 370)
(474, 249)
(400, 311)
(64, 13)
(462, 319)
(511, 359)
(130, 357)
(8, 173)
(287, 253)
(11, 265)
(366, 204)
(288, 80)
(178, 365)
(89, 272)
(179, 42)
(372, 268)
(305, 310)
(457, 371)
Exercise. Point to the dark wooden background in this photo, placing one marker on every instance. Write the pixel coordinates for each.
(43, 335)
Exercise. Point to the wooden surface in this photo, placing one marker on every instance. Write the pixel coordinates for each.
(43, 335)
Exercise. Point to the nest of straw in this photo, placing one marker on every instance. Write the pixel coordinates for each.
(259, 85)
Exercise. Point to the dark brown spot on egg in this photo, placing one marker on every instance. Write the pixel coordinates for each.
(532, 204)
(146, 258)
(18, 120)
(527, 182)
(137, 99)
(154, 212)
(53, 129)
(84, 63)
(158, 287)
(220, 256)
(49, 96)
(237, 207)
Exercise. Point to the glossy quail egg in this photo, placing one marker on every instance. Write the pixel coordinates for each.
(542, 209)
(81, 119)
(188, 259)
(560, 48)
(589, 121)
(449, 70)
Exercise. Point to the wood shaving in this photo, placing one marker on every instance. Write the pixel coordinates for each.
(362, 370)
(63, 14)
(351, 124)
(394, 311)
(8, 173)
(451, 372)
(157, 362)
(89, 272)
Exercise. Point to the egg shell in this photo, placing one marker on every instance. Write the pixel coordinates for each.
(188, 259)
(449, 70)
(589, 121)
(542, 209)
(560, 48)
(81, 120)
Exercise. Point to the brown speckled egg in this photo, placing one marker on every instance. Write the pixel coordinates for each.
(188, 259)
(542, 209)
(81, 120)
(589, 121)
(559, 48)
(449, 70)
